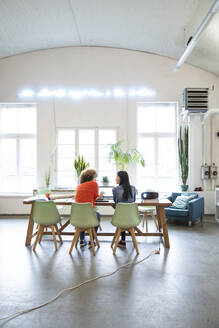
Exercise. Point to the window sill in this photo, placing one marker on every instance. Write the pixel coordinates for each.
(15, 195)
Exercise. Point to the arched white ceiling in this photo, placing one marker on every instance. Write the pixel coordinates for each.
(157, 26)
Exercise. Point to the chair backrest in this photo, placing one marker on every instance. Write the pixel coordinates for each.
(126, 215)
(146, 208)
(83, 215)
(45, 213)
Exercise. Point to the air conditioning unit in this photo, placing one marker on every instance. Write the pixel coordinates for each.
(195, 100)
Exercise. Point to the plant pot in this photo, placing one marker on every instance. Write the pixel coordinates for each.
(184, 187)
(105, 183)
(47, 191)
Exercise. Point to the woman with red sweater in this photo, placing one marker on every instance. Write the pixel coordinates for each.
(87, 192)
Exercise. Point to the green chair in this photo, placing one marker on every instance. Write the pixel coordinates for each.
(145, 211)
(46, 215)
(125, 218)
(83, 217)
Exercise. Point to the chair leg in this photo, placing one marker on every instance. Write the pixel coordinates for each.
(58, 233)
(41, 234)
(77, 239)
(201, 219)
(37, 236)
(134, 240)
(95, 237)
(143, 221)
(146, 221)
(117, 241)
(155, 220)
(54, 236)
(76, 235)
(114, 237)
(91, 240)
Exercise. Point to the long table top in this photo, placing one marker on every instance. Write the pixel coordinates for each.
(69, 201)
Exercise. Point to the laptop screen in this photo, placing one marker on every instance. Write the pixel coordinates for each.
(107, 192)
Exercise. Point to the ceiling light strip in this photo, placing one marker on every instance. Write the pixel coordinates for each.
(93, 93)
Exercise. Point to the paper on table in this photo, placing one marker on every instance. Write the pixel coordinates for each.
(41, 197)
(64, 200)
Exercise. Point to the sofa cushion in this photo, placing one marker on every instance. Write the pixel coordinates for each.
(174, 195)
(188, 194)
(170, 211)
(191, 195)
(181, 202)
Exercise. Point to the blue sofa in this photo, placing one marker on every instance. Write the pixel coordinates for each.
(190, 214)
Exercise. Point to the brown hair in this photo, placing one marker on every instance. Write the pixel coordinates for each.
(88, 175)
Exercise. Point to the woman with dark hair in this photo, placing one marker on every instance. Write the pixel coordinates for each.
(123, 193)
(87, 192)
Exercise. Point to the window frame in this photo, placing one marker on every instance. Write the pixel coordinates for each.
(96, 145)
(18, 137)
(156, 135)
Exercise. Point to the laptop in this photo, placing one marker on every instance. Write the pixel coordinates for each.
(108, 195)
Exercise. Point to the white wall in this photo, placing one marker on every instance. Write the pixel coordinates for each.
(101, 68)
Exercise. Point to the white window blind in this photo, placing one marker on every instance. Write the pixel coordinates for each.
(157, 141)
(17, 148)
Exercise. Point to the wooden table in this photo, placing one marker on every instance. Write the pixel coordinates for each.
(158, 203)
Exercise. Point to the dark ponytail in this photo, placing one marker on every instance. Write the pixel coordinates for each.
(124, 182)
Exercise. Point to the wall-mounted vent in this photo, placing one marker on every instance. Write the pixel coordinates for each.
(196, 99)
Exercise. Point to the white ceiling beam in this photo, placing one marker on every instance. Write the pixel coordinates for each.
(192, 43)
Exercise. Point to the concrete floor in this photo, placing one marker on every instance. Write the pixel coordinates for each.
(178, 288)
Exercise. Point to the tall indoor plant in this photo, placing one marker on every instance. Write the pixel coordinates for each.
(47, 178)
(80, 164)
(122, 158)
(183, 149)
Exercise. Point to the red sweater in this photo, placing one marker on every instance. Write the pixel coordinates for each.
(87, 192)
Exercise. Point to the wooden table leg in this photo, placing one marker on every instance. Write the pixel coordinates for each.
(138, 231)
(64, 225)
(158, 217)
(30, 228)
(165, 229)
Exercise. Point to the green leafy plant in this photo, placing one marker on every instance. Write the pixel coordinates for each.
(183, 149)
(105, 179)
(47, 178)
(80, 164)
(123, 158)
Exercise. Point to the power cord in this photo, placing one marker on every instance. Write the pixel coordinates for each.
(132, 263)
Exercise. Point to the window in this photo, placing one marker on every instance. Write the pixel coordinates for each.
(92, 143)
(106, 138)
(17, 148)
(86, 145)
(157, 142)
(65, 157)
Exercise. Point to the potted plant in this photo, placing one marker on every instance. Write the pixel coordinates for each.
(183, 149)
(80, 165)
(47, 178)
(123, 158)
(105, 181)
